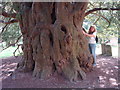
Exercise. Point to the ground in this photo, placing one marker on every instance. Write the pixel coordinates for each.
(104, 75)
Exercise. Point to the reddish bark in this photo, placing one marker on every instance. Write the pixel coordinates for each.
(52, 41)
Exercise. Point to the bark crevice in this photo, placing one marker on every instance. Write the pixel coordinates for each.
(53, 14)
(51, 39)
(54, 48)
(63, 28)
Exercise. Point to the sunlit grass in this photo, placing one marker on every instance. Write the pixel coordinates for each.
(9, 52)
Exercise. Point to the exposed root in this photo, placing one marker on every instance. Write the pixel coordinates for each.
(70, 74)
(82, 74)
(24, 67)
(37, 70)
(42, 72)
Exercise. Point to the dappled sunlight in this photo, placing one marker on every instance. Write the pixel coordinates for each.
(113, 81)
(105, 63)
(102, 85)
(1, 66)
(111, 70)
(116, 67)
(102, 78)
(103, 59)
(104, 74)
(112, 74)
(8, 67)
(102, 81)
(107, 72)
(98, 66)
(107, 69)
(11, 65)
(101, 69)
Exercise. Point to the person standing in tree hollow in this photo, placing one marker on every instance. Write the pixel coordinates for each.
(92, 42)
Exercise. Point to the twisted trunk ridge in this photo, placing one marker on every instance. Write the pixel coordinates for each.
(51, 41)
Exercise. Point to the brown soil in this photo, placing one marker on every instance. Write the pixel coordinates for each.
(104, 75)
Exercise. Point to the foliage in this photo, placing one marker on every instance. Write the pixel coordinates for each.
(105, 30)
(10, 52)
(12, 31)
(11, 34)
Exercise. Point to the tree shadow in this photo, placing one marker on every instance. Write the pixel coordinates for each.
(8, 66)
(104, 75)
(106, 72)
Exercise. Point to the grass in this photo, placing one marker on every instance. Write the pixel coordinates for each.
(9, 52)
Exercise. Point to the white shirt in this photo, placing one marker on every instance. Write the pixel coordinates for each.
(92, 40)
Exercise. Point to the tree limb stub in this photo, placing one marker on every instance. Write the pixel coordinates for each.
(10, 15)
(102, 17)
(17, 49)
(97, 9)
(96, 20)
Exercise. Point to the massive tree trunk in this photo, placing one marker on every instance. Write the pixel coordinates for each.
(53, 40)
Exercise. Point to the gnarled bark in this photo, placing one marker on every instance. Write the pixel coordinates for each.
(52, 41)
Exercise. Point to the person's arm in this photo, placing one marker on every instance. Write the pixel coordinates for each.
(84, 30)
(89, 35)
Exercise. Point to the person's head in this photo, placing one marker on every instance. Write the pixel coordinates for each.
(92, 29)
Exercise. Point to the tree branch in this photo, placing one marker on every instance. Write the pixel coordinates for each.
(3, 29)
(9, 22)
(13, 43)
(97, 9)
(96, 20)
(17, 49)
(102, 17)
(10, 15)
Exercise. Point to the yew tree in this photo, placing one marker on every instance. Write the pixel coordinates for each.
(52, 38)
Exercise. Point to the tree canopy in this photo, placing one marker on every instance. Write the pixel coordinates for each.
(52, 35)
(107, 21)
(105, 15)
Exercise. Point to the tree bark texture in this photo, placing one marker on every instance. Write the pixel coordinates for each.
(53, 40)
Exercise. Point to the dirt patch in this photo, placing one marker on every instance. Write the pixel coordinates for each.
(104, 75)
